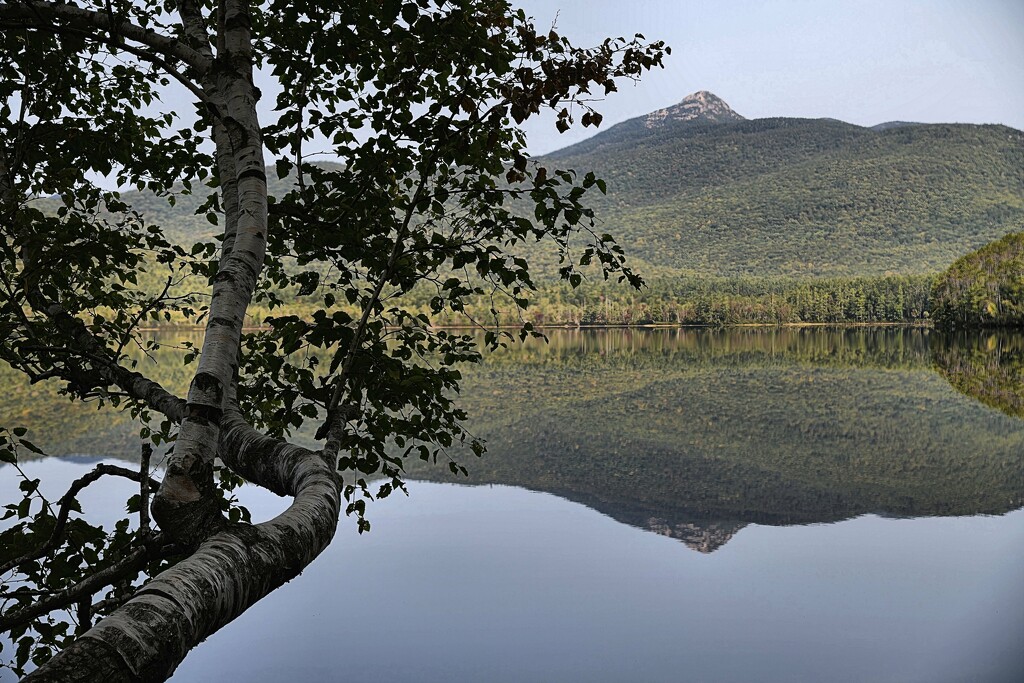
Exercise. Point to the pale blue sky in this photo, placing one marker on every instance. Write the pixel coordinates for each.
(862, 61)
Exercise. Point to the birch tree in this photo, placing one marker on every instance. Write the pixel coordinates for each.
(418, 105)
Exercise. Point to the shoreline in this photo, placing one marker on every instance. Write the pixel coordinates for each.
(612, 326)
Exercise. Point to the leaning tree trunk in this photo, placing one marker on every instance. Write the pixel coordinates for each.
(186, 506)
(149, 636)
(230, 566)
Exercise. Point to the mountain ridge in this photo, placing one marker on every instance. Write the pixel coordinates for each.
(802, 197)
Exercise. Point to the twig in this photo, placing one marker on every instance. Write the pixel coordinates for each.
(131, 564)
(84, 615)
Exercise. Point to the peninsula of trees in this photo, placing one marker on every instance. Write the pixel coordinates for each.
(984, 288)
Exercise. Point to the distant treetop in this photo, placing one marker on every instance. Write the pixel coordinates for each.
(984, 288)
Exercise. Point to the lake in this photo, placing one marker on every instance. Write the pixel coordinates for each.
(661, 505)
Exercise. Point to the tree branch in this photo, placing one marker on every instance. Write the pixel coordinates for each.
(128, 566)
(146, 638)
(194, 23)
(331, 427)
(133, 383)
(65, 508)
(58, 16)
(144, 490)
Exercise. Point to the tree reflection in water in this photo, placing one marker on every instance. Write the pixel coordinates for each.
(987, 366)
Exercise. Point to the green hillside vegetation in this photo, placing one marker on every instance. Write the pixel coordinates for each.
(772, 197)
(804, 197)
(770, 221)
(984, 288)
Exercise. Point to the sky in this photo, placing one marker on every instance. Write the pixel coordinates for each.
(861, 61)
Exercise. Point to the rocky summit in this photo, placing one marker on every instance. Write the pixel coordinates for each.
(701, 106)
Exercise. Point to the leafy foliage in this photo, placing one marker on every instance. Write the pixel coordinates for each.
(420, 103)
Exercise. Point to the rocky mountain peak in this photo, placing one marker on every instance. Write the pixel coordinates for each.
(704, 537)
(701, 106)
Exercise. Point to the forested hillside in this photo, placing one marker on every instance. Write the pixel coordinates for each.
(774, 197)
(804, 197)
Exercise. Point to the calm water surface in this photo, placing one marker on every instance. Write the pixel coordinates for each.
(750, 505)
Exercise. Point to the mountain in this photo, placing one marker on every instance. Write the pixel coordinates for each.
(698, 188)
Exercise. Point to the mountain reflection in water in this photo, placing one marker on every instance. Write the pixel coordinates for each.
(694, 434)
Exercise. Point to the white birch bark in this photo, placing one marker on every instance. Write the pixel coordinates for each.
(232, 565)
(149, 636)
(185, 506)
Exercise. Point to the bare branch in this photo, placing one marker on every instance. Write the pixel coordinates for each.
(133, 383)
(128, 566)
(147, 454)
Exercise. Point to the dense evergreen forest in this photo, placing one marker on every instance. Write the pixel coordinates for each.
(694, 300)
(984, 288)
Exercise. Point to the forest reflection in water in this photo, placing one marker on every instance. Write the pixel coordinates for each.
(697, 433)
